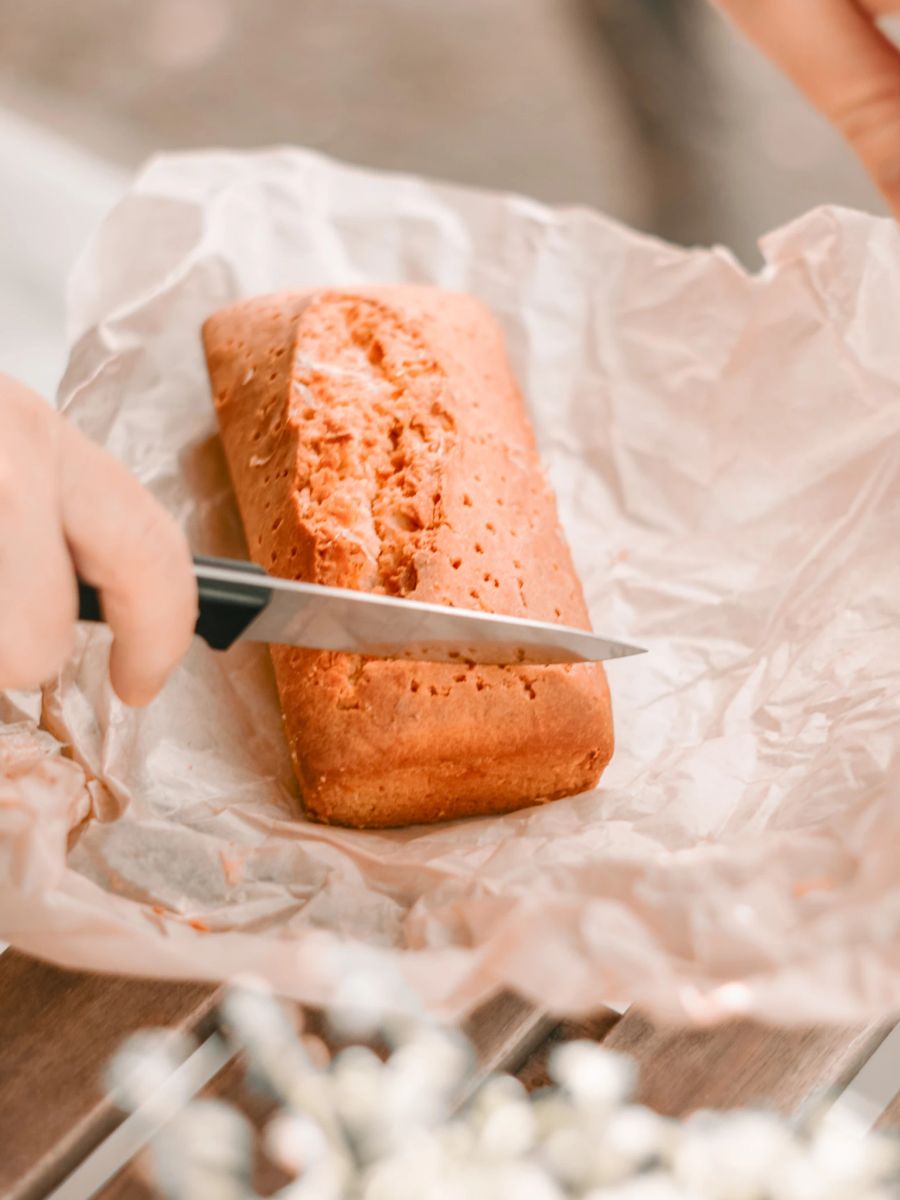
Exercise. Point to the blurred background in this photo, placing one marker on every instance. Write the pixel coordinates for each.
(651, 110)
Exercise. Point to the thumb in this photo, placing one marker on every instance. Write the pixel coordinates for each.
(847, 68)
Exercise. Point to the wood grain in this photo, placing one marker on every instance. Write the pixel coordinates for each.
(505, 1032)
(57, 1031)
(740, 1064)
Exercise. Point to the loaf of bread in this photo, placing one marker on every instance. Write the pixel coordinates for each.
(376, 439)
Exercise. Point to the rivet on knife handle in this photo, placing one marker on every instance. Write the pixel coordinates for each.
(226, 609)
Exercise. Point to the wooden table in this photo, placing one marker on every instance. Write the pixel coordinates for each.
(59, 1028)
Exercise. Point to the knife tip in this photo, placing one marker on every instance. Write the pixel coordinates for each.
(628, 651)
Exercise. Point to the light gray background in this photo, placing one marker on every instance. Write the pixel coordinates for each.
(649, 109)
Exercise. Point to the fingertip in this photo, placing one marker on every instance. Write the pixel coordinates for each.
(132, 688)
(845, 64)
(136, 699)
(144, 572)
(137, 680)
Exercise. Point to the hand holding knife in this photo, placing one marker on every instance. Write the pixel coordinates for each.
(69, 509)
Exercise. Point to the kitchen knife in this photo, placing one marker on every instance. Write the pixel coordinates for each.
(239, 600)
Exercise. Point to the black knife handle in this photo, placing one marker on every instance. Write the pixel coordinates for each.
(225, 609)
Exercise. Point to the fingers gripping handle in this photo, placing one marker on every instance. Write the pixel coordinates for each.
(225, 608)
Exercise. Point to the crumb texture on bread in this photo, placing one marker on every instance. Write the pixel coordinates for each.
(377, 440)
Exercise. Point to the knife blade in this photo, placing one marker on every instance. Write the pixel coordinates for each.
(240, 600)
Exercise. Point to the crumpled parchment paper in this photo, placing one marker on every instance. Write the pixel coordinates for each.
(726, 454)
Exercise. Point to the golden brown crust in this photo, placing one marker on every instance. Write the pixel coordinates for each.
(376, 439)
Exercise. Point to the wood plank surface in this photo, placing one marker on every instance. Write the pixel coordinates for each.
(740, 1064)
(57, 1031)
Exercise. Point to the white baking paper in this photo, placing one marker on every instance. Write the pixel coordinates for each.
(726, 453)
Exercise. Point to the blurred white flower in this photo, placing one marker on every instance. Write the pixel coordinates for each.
(525, 1181)
(359, 1127)
(631, 1140)
(837, 1165)
(407, 1175)
(206, 1154)
(508, 1131)
(145, 1062)
(567, 1155)
(732, 1156)
(638, 1135)
(657, 1186)
(852, 1161)
(591, 1075)
(294, 1142)
(428, 1070)
(370, 1000)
